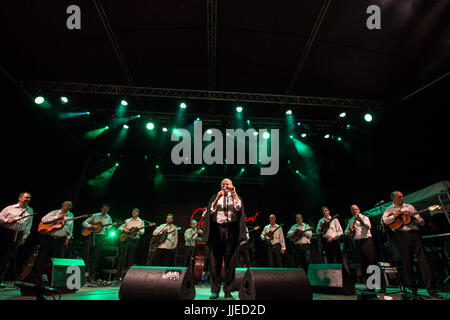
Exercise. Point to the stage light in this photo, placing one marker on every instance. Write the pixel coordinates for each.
(242, 170)
(107, 127)
(157, 166)
(112, 234)
(326, 136)
(64, 100)
(339, 139)
(248, 122)
(124, 102)
(183, 105)
(291, 136)
(164, 129)
(239, 109)
(125, 126)
(342, 115)
(209, 131)
(117, 164)
(266, 135)
(304, 135)
(347, 127)
(39, 100)
(299, 123)
(150, 126)
(203, 168)
(368, 117)
(289, 112)
(296, 171)
(198, 119)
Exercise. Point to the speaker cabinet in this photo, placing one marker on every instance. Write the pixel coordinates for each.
(330, 278)
(239, 277)
(67, 275)
(275, 284)
(157, 283)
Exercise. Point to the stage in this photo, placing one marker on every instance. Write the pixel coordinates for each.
(106, 293)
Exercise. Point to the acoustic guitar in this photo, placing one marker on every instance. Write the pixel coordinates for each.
(269, 235)
(298, 234)
(46, 228)
(160, 238)
(6, 224)
(406, 218)
(98, 227)
(133, 232)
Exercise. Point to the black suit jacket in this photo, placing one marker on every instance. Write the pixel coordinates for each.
(208, 237)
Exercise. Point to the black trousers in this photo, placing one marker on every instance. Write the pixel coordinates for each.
(410, 245)
(50, 247)
(164, 258)
(332, 251)
(302, 255)
(224, 247)
(365, 249)
(274, 256)
(7, 248)
(127, 255)
(244, 255)
(189, 255)
(92, 252)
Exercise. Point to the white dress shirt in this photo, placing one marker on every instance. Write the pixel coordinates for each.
(306, 236)
(278, 236)
(66, 231)
(172, 238)
(334, 229)
(228, 204)
(362, 229)
(190, 238)
(98, 217)
(134, 223)
(416, 219)
(14, 212)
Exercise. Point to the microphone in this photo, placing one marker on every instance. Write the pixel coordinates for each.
(379, 203)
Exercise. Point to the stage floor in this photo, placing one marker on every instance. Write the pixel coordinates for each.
(94, 292)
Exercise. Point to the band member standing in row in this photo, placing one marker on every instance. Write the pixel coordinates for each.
(301, 234)
(192, 236)
(14, 229)
(53, 243)
(272, 234)
(92, 244)
(128, 249)
(165, 252)
(331, 231)
(358, 229)
(224, 228)
(409, 242)
(244, 251)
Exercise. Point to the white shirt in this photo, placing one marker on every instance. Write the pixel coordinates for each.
(134, 223)
(362, 229)
(172, 238)
(66, 231)
(278, 236)
(190, 240)
(306, 236)
(223, 204)
(14, 212)
(334, 229)
(416, 219)
(98, 217)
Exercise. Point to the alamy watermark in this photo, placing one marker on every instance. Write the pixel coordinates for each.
(258, 147)
(374, 280)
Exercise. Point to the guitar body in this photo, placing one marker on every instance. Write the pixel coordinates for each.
(400, 221)
(98, 228)
(46, 228)
(124, 236)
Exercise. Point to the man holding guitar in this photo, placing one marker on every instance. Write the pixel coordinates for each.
(331, 230)
(15, 221)
(192, 236)
(300, 234)
(54, 240)
(165, 238)
(272, 234)
(92, 244)
(409, 241)
(134, 229)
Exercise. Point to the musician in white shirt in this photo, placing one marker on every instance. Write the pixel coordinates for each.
(302, 246)
(128, 248)
(192, 236)
(331, 231)
(409, 242)
(276, 245)
(15, 226)
(165, 252)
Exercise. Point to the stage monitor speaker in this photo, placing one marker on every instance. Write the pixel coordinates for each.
(67, 275)
(240, 272)
(157, 283)
(330, 278)
(275, 284)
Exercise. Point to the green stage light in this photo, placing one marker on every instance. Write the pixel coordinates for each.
(183, 105)
(248, 122)
(342, 115)
(157, 166)
(203, 168)
(242, 170)
(266, 135)
(326, 136)
(164, 129)
(368, 117)
(39, 100)
(117, 164)
(288, 112)
(347, 127)
(125, 126)
(64, 100)
(150, 126)
(124, 102)
(239, 109)
(304, 135)
(291, 136)
(112, 234)
(339, 139)
(299, 124)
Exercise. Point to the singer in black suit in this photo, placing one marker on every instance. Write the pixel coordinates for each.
(224, 228)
